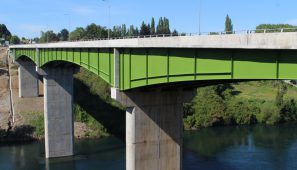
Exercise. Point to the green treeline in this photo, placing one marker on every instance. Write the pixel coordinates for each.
(219, 105)
(276, 27)
(94, 31)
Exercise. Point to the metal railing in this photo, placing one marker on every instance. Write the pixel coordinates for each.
(256, 31)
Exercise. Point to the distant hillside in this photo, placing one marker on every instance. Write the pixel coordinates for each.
(267, 102)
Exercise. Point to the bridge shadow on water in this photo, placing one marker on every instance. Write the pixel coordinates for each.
(111, 117)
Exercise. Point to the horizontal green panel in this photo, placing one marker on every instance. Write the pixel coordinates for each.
(255, 64)
(138, 83)
(181, 61)
(142, 67)
(76, 56)
(288, 65)
(214, 77)
(157, 62)
(70, 55)
(138, 64)
(181, 78)
(153, 81)
(104, 63)
(214, 61)
(85, 57)
(94, 60)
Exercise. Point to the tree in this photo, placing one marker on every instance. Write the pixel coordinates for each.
(95, 31)
(116, 31)
(123, 30)
(48, 36)
(136, 32)
(228, 25)
(153, 29)
(77, 34)
(144, 29)
(63, 35)
(279, 99)
(275, 28)
(166, 26)
(163, 26)
(160, 26)
(15, 40)
(4, 32)
(175, 33)
(131, 31)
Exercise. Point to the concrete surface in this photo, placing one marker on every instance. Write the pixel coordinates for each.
(154, 128)
(285, 40)
(28, 79)
(58, 112)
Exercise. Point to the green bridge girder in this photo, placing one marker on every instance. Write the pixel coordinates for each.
(140, 67)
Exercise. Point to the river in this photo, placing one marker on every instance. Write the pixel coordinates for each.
(250, 147)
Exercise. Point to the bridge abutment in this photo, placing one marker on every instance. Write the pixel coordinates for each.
(28, 79)
(58, 112)
(154, 128)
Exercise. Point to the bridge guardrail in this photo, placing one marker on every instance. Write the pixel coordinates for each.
(256, 31)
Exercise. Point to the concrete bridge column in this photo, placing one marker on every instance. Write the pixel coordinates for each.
(28, 79)
(58, 111)
(154, 128)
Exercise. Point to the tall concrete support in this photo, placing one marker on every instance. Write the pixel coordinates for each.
(154, 128)
(58, 112)
(28, 79)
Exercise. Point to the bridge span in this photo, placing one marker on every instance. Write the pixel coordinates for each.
(147, 76)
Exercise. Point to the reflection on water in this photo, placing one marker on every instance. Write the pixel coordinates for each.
(255, 147)
(105, 154)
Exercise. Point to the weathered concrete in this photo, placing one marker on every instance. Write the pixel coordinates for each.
(58, 111)
(154, 128)
(28, 79)
(285, 40)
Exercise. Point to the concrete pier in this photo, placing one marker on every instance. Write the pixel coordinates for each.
(154, 128)
(58, 111)
(28, 79)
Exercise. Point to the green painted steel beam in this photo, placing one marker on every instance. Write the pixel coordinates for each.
(139, 67)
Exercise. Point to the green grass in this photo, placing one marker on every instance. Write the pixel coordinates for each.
(245, 103)
(36, 120)
(262, 90)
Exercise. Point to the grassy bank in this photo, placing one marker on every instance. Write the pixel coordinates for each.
(267, 102)
(95, 108)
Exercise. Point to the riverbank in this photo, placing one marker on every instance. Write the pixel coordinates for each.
(245, 103)
(28, 112)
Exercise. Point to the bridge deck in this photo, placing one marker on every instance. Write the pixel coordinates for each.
(151, 61)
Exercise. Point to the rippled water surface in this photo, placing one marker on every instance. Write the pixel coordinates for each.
(256, 147)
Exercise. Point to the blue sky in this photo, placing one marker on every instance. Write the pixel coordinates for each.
(28, 17)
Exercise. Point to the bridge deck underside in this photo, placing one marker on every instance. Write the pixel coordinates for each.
(142, 67)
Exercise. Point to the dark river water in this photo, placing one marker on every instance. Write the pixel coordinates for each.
(255, 147)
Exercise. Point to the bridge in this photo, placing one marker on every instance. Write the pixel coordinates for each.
(152, 78)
